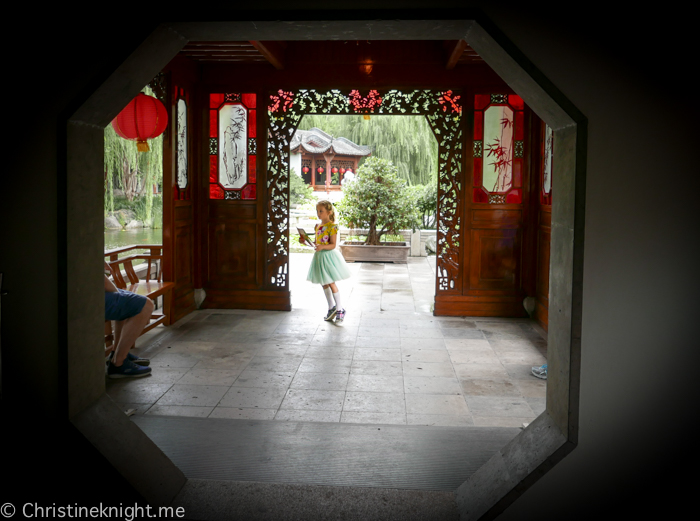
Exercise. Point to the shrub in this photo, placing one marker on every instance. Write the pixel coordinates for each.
(426, 198)
(299, 191)
(379, 201)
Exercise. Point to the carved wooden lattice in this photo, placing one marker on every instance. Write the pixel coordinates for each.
(337, 178)
(306, 176)
(159, 86)
(443, 110)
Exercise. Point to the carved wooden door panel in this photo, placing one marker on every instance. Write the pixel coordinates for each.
(496, 207)
(178, 200)
(183, 210)
(232, 217)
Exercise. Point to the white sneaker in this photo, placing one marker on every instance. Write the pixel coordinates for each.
(540, 372)
(331, 313)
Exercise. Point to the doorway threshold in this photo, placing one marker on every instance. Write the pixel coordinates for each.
(410, 457)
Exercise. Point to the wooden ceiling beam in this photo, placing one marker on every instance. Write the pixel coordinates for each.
(223, 53)
(272, 51)
(454, 52)
(218, 44)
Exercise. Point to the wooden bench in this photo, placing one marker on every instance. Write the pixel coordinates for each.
(148, 287)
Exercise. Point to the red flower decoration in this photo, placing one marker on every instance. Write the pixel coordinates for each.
(366, 104)
(284, 100)
(449, 97)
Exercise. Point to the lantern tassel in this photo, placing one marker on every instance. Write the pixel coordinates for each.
(142, 146)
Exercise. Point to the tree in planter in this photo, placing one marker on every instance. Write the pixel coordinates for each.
(378, 200)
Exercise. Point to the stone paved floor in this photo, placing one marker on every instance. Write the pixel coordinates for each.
(390, 362)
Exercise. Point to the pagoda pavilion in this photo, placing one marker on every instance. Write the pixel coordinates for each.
(322, 160)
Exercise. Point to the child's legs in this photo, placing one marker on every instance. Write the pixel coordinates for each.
(333, 287)
(329, 294)
(335, 293)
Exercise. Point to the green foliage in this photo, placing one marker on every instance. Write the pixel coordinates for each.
(379, 201)
(141, 209)
(146, 208)
(119, 202)
(157, 213)
(407, 141)
(426, 199)
(299, 191)
(121, 220)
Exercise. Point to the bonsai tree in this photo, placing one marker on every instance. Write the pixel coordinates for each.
(378, 200)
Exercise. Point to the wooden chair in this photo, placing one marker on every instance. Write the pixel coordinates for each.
(151, 288)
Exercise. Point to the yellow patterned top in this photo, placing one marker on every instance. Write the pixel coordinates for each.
(324, 232)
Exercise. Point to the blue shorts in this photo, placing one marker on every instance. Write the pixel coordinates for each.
(123, 304)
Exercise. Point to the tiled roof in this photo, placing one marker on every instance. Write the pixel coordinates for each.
(316, 141)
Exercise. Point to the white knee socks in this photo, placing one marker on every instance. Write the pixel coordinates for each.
(329, 296)
(338, 304)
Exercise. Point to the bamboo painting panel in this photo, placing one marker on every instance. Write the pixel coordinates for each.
(233, 144)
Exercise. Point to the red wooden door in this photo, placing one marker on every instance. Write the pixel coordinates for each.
(233, 217)
(178, 201)
(495, 210)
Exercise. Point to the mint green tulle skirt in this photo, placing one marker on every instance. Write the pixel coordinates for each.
(328, 266)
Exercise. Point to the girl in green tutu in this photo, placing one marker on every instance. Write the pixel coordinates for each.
(328, 265)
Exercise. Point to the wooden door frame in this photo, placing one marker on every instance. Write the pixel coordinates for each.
(443, 109)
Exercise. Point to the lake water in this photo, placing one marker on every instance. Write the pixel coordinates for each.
(119, 238)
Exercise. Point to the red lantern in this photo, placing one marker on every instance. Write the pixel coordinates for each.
(145, 117)
(342, 170)
(320, 170)
(305, 169)
(334, 170)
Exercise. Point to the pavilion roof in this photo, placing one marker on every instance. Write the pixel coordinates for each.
(316, 141)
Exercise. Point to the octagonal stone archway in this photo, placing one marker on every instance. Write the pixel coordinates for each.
(509, 472)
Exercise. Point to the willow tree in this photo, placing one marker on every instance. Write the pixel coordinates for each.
(131, 171)
(406, 141)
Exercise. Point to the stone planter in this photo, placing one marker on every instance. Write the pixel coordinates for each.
(387, 252)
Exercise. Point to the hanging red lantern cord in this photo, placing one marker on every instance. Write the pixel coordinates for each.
(145, 117)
